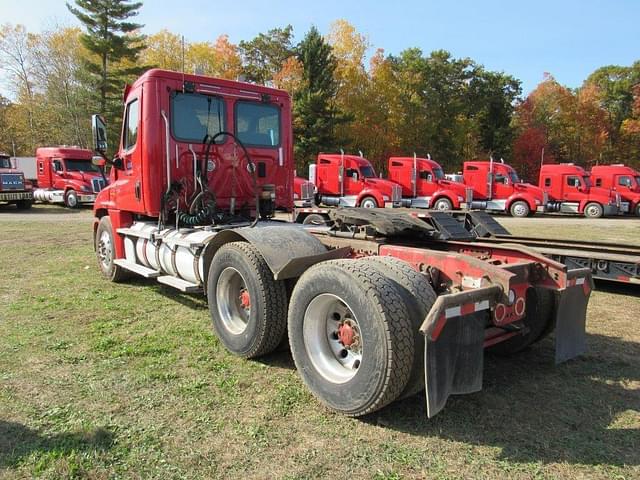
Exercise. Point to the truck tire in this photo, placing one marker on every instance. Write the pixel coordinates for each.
(419, 297)
(105, 252)
(443, 204)
(350, 336)
(24, 204)
(593, 210)
(315, 219)
(71, 199)
(519, 209)
(248, 306)
(538, 319)
(369, 202)
(638, 210)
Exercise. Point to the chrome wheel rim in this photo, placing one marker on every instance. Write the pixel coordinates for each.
(442, 205)
(72, 200)
(332, 338)
(593, 211)
(519, 210)
(234, 302)
(368, 203)
(105, 250)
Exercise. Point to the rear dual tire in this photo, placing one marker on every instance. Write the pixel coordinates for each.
(350, 336)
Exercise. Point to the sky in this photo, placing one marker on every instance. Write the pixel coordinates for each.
(567, 38)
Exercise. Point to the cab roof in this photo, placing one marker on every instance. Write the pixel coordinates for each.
(482, 164)
(617, 169)
(336, 157)
(204, 81)
(420, 160)
(562, 169)
(65, 152)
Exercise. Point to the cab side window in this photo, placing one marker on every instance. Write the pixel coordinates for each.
(352, 173)
(573, 182)
(131, 125)
(547, 182)
(598, 182)
(57, 165)
(624, 181)
(426, 175)
(501, 179)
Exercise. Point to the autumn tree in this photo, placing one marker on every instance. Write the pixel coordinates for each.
(163, 50)
(264, 56)
(315, 112)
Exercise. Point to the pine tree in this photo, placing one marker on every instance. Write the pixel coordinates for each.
(112, 39)
(315, 113)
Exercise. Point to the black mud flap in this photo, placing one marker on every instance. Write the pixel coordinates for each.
(454, 362)
(571, 314)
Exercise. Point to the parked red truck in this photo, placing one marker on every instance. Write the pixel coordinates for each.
(67, 175)
(377, 307)
(351, 181)
(570, 191)
(496, 187)
(14, 187)
(424, 185)
(623, 180)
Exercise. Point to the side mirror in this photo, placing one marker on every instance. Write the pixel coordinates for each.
(98, 161)
(354, 176)
(99, 129)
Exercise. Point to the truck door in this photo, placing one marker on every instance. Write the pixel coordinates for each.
(57, 173)
(502, 187)
(571, 189)
(352, 185)
(426, 185)
(128, 187)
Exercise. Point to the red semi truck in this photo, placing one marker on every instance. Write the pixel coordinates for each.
(424, 185)
(351, 181)
(570, 191)
(496, 187)
(67, 175)
(376, 307)
(623, 180)
(14, 187)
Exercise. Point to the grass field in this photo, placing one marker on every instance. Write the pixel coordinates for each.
(101, 380)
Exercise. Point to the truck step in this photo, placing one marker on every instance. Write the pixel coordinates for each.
(180, 284)
(137, 268)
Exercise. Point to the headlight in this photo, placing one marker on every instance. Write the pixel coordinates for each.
(85, 188)
(385, 198)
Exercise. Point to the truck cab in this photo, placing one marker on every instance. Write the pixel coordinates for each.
(351, 181)
(67, 175)
(570, 191)
(496, 187)
(14, 188)
(623, 180)
(424, 185)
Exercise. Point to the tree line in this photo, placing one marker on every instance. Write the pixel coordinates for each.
(451, 108)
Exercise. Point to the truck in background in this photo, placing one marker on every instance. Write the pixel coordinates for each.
(350, 181)
(570, 191)
(424, 185)
(14, 187)
(623, 180)
(496, 187)
(67, 175)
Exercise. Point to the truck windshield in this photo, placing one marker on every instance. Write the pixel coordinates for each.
(193, 116)
(80, 165)
(367, 172)
(638, 181)
(5, 162)
(439, 174)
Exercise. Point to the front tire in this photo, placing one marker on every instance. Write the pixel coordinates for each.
(71, 199)
(638, 210)
(443, 204)
(593, 210)
(350, 336)
(368, 202)
(248, 306)
(105, 252)
(315, 219)
(519, 209)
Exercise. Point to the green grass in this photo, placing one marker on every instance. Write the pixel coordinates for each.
(102, 380)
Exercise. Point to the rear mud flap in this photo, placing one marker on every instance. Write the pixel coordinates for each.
(571, 314)
(453, 364)
(454, 331)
